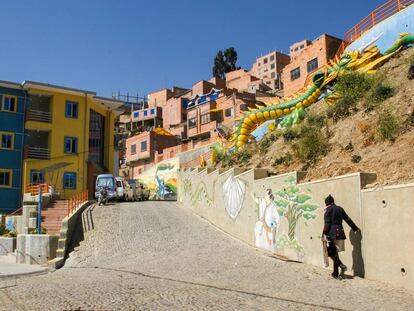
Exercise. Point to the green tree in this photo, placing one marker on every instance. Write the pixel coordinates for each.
(225, 62)
(293, 204)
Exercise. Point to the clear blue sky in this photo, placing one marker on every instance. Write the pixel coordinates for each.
(141, 46)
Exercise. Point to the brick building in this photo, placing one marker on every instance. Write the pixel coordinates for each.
(269, 68)
(141, 150)
(306, 57)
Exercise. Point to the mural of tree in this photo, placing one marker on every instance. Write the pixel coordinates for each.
(294, 204)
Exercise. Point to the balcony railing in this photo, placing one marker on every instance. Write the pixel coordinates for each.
(40, 116)
(33, 152)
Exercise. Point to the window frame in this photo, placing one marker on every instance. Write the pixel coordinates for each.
(292, 77)
(146, 145)
(311, 62)
(73, 104)
(65, 176)
(145, 113)
(10, 171)
(76, 146)
(231, 112)
(3, 100)
(40, 174)
(152, 111)
(195, 123)
(12, 140)
(205, 116)
(133, 149)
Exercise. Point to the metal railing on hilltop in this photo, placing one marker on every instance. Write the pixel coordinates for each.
(77, 200)
(381, 13)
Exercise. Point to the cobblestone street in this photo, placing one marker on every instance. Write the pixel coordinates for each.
(155, 256)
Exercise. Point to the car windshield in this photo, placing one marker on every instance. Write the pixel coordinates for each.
(105, 181)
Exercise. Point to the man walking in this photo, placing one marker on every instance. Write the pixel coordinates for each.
(334, 233)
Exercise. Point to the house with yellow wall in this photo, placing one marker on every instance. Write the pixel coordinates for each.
(69, 137)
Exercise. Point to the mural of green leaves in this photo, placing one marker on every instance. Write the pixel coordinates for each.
(293, 204)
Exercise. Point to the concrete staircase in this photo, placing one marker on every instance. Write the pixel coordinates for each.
(53, 215)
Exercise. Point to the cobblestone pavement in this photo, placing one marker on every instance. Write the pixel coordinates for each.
(155, 256)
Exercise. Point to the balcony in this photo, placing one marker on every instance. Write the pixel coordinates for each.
(39, 116)
(37, 145)
(35, 152)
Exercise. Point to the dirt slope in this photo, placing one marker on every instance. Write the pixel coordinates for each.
(352, 137)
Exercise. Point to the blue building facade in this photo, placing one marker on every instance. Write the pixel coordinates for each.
(13, 103)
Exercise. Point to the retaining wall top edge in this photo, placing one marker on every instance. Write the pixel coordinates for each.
(249, 170)
(390, 187)
(357, 174)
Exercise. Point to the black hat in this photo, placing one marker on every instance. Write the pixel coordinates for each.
(329, 200)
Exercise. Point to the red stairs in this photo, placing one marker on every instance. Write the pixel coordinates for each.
(53, 215)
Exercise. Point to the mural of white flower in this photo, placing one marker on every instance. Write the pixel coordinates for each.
(233, 195)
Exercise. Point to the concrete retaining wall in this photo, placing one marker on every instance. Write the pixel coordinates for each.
(388, 215)
(36, 249)
(66, 233)
(7, 245)
(285, 216)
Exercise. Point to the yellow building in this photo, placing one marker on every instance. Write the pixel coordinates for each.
(69, 137)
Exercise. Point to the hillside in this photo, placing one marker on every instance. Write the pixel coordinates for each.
(376, 135)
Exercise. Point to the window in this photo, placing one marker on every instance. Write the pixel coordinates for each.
(133, 149)
(143, 146)
(273, 75)
(5, 178)
(302, 46)
(71, 109)
(243, 107)
(265, 61)
(272, 57)
(145, 113)
(36, 177)
(69, 180)
(296, 48)
(312, 65)
(192, 123)
(295, 74)
(228, 112)
(205, 118)
(7, 140)
(136, 114)
(152, 110)
(9, 103)
(71, 145)
(272, 66)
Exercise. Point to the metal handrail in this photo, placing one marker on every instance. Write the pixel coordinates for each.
(381, 13)
(76, 201)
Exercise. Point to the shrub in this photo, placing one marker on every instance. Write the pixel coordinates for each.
(356, 158)
(285, 160)
(290, 134)
(264, 144)
(3, 229)
(387, 126)
(316, 120)
(378, 93)
(410, 75)
(312, 145)
(352, 87)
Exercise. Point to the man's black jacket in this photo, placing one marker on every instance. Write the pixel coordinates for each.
(334, 215)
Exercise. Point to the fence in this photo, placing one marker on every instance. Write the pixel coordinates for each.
(76, 201)
(33, 189)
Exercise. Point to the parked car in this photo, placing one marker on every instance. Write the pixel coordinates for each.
(108, 181)
(124, 191)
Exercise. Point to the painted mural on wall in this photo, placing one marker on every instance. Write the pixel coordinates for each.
(289, 203)
(199, 194)
(233, 195)
(267, 226)
(162, 180)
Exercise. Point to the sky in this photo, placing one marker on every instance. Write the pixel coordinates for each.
(136, 47)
